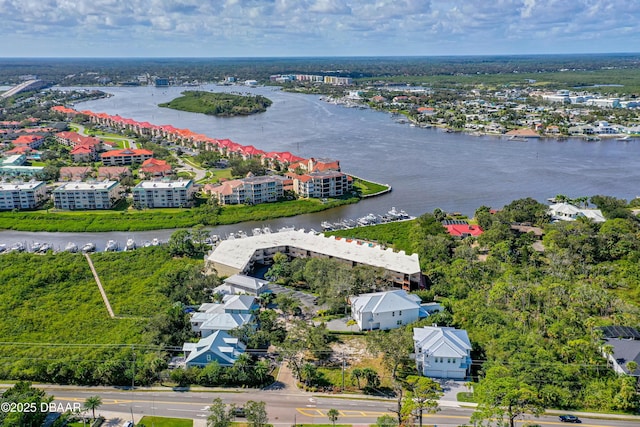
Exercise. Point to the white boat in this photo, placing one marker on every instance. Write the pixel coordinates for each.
(146, 244)
(71, 247)
(624, 138)
(326, 225)
(517, 138)
(155, 242)
(266, 230)
(241, 234)
(130, 245)
(45, 247)
(3, 247)
(89, 247)
(35, 246)
(256, 231)
(111, 246)
(283, 229)
(17, 247)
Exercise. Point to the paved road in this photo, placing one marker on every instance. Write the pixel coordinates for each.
(284, 407)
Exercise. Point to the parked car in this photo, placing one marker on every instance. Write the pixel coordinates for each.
(128, 424)
(569, 419)
(238, 411)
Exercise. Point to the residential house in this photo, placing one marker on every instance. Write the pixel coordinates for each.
(568, 212)
(234, 312)
(623, 347)
(241, 284)
(31, 141)
(218, 347)
(442, 352)
(21, 195)
(164, 194)
(385, 310)
(461, 228)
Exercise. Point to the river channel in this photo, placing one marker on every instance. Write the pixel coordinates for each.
(428, 168)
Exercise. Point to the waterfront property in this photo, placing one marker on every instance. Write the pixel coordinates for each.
(385, 310)
(87, 195)
(239, 256)
(22, 195)
(461, 228)
(568, 212)
(442, 352)
(163, 194)
(322, 184)
(218, 347)
(251, 190)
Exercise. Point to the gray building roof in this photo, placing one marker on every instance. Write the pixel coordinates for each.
(383, 302)
(442, 341)
(625, 351)
(222, 347)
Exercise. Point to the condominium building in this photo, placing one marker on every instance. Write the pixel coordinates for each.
(252, 190)
(163, 194)
(240, 256)
(322, 184)
(87, 195)
(19, 195)
(125, 157)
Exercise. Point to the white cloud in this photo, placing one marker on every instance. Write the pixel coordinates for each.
(324, 26)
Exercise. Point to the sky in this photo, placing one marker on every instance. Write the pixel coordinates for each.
(302, 28)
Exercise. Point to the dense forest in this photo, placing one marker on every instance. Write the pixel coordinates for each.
(219, 103)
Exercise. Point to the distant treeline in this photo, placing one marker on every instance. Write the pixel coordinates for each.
(75, 71)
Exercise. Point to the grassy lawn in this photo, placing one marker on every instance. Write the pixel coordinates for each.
(394, 234)
(218, 174)
(165, 422)
(156, 219)
(465, 396)
(368, 188)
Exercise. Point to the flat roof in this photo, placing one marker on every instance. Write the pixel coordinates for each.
(4, 186)
(164, 184)
(86, 186)
(237, 253)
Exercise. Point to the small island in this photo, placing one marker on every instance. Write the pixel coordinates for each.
(219, 104)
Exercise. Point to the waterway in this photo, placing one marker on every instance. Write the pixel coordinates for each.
(428, 168)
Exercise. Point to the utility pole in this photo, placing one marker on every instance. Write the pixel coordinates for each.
(344, 360)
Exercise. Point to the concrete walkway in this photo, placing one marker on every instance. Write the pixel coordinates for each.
(102, 292)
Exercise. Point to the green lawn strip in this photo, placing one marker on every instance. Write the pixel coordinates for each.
(368, 188)
(155, 219)
(395, 234)
(465, 396)
(149, 421)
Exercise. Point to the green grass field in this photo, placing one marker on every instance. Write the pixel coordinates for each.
(368, 188)
(149, 421)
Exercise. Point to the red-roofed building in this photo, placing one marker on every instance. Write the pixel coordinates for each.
(155, 168)
(125, 157)
(31, 141)
(82, 153)
(316, 165)
(113, 172)
(75, 173)
(463, 230)
(21, 149)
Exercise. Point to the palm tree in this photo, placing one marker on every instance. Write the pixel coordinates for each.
(333, 416)
(92, 403)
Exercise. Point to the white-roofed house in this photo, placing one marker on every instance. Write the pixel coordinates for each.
(234, 312)
(385, 310)
(569, 212)
(442, 352)
(219, 347)
(241, 284)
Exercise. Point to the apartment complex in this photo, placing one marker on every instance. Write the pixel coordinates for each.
(322, 184)
(251, 190)
(239, 256)
(125, 157)
(163, 194)
(87, 195)
(20, 195)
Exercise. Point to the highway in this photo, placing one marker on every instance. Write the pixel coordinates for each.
(284, 408)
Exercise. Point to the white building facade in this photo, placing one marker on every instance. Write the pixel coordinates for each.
(385, 310)
(87, 195)
(442, 352)
(20, 195)
(163, 194)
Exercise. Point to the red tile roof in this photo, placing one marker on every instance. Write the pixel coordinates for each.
(459, 230)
